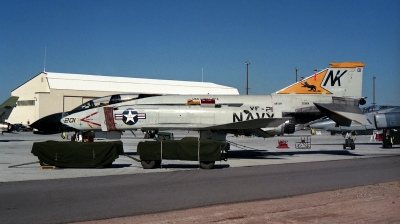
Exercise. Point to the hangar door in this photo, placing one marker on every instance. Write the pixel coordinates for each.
(70, 102)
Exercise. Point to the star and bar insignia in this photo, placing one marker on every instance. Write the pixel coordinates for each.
(130, 116)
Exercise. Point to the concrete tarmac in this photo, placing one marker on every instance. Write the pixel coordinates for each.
(15, 149)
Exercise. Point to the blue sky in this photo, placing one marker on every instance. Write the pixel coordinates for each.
(171, 39)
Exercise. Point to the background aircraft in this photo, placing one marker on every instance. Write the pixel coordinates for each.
(385, 118)
(335, 92)
(381, 117)
(5, 110)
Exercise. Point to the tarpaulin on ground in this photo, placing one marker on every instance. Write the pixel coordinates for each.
(78, 154)
(184, 149)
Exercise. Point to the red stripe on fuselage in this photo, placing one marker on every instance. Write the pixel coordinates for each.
(90, 122)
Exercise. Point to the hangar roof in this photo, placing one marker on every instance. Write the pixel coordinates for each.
(134, 85)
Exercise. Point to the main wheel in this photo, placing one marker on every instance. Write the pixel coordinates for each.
(148, 164)
(387, 144)
(207, 164)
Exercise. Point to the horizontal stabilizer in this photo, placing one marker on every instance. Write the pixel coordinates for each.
(343, 114)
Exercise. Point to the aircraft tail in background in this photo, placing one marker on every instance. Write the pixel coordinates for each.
(342, 79)
(6, 107)
(5, 110)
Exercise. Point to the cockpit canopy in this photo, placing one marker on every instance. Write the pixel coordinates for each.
(109, 100)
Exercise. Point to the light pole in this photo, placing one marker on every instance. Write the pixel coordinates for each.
(373, 90)
(247, 79)
(296, 72)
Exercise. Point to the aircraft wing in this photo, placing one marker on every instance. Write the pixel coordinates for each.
(251, 124)
(242, 127)
(342, 114)
(6, 107)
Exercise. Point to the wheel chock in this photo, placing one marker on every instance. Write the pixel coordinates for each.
(47, 167)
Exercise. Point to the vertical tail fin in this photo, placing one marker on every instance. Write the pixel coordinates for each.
(10, 102)
(342, 79)
(6, 107)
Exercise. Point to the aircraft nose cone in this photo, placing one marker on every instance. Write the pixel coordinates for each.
(49, 124)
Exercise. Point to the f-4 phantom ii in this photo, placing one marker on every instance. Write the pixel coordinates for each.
(5, 110)
(334, 92)
(196, 118)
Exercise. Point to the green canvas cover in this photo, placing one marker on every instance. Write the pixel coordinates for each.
(184, 149)
(78, 154)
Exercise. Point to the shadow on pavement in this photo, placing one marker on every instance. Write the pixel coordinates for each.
(193, 166)
(261, 154)
(14, 140)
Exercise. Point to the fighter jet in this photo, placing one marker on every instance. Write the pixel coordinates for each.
(211, 122)
(5, 110)
(381, 117)
(384, 118)
(334, 92)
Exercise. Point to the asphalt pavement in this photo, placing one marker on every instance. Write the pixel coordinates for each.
(256, 170)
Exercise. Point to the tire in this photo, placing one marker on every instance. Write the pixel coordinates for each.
(158, 164)
(148, 164)
(207, 165)
(353, 146)
(344, 146)
(387, 144)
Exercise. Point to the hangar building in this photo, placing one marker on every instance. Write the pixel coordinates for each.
(50, 92)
